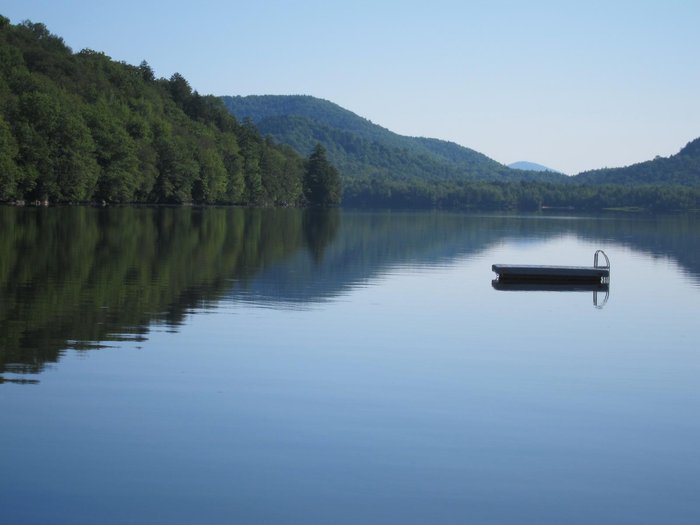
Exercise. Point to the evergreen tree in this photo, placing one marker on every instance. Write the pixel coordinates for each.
(321, 185)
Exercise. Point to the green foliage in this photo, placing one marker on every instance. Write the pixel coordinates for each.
(8, 165)
(321, 180)
(56, 149)
(80, 127)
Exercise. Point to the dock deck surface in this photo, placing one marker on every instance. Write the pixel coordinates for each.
(543, 273)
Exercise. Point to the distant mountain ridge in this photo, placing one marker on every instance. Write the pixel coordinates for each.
(530, 166)
(361, 149)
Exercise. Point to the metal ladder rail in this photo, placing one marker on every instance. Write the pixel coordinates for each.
(605, 280)
(595, 260)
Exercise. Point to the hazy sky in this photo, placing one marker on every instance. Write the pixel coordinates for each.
(572, 85)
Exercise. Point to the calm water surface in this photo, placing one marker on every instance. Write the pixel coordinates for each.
(219, 366)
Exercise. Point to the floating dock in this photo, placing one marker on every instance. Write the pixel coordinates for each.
(514, 273)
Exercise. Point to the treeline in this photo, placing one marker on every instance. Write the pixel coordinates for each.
(77, 127)
(683, 168)
(80, 127)
(388, 193)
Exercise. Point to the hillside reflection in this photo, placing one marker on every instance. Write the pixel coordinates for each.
(73, 277)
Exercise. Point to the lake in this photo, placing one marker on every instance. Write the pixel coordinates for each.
(184, 365)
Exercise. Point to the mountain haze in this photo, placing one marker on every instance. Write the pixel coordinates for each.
(530, 166)
(360, 148)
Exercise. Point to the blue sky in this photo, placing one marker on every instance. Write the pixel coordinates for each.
(572, 85)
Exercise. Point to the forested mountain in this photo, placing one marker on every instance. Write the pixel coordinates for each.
(77, 127)
(682, 168)
(365, 151)
(383, 169)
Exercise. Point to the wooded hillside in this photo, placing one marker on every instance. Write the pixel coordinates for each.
(366, 151)
(77, 127)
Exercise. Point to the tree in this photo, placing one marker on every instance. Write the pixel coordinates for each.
(251, 145)
(146, 72)
(321, 185)
(180, 89)
(8, 167)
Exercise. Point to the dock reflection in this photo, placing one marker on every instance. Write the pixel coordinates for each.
(601, 291)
